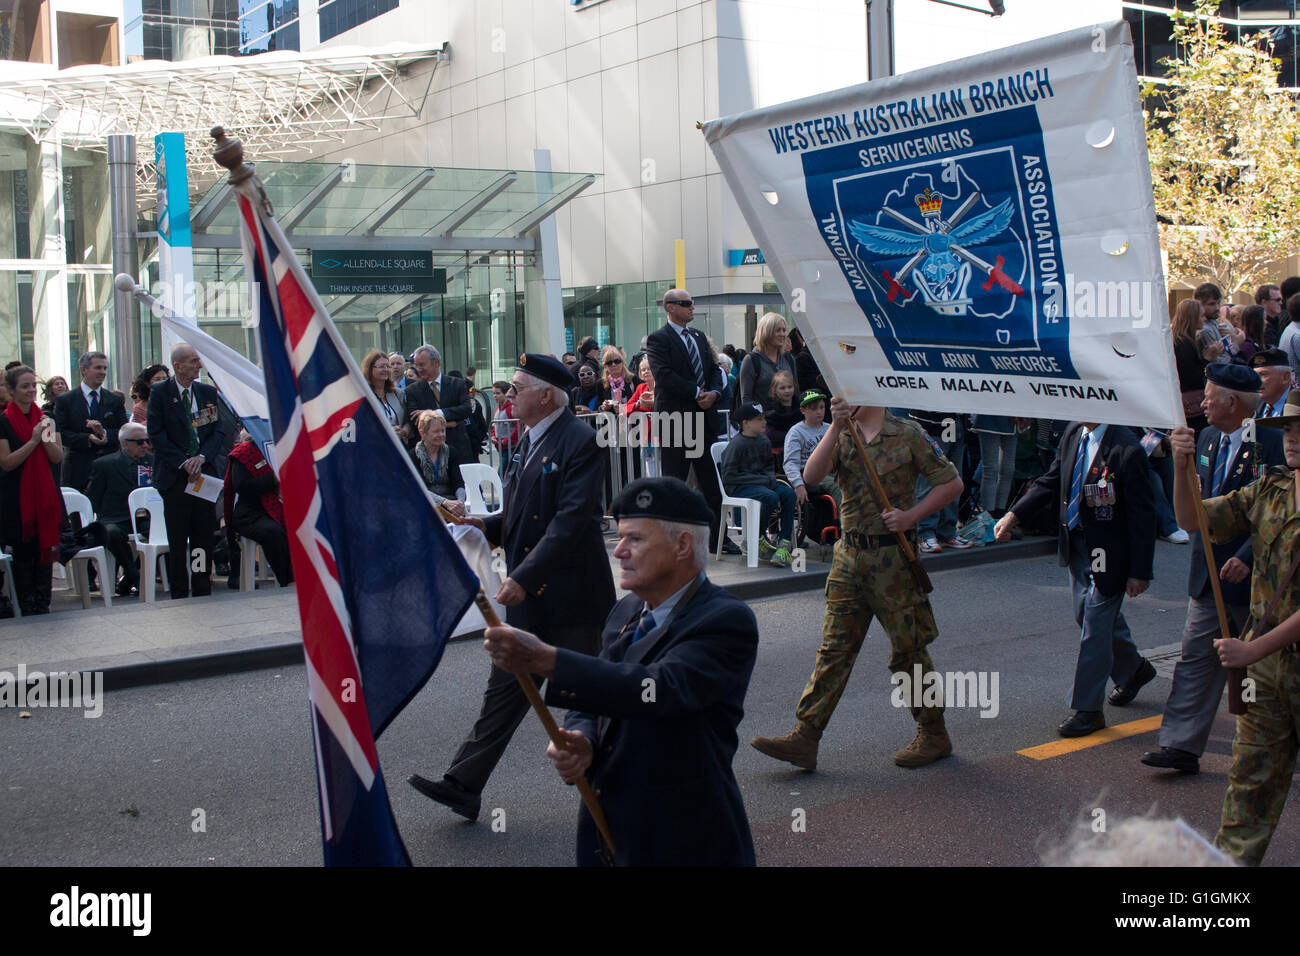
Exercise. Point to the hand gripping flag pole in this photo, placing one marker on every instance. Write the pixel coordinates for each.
(552, 729)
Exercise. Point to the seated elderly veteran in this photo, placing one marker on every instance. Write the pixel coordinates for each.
(112, 479)
(439, 463)
(254, 508)
(652, 721)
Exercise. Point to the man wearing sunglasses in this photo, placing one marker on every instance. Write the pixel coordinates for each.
(688, 381)
(112, 479)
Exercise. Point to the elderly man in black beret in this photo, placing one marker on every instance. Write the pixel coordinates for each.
(1227, 458)
(1275, 381)
(652, 721)
(558, 581)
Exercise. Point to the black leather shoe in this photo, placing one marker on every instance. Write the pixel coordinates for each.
(1146, 673)
(1171, 758)
(729, 547)
(1083, 723)
(449, 793)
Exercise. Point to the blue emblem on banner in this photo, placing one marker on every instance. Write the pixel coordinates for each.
(948, 237)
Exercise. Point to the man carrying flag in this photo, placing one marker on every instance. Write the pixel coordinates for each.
(374, 626)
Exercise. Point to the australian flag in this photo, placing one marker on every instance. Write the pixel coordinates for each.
(380, 582)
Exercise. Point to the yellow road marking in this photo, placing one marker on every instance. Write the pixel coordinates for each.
(1071, 744)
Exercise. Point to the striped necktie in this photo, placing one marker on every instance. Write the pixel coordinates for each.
(1221, 467)
(1076, 484)
(644, 626)
(694, 353)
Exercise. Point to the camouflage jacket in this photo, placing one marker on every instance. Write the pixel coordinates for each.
(1267, 510)
(901, 453)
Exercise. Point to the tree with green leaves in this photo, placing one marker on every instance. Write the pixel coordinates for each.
(1222, 136)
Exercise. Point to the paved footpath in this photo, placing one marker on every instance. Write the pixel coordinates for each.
(137, 644)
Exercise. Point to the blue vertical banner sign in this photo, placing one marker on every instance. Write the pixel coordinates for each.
(978, 235)
(175, 247)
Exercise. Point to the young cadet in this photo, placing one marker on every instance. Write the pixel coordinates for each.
(870, 577)
(1264, 749)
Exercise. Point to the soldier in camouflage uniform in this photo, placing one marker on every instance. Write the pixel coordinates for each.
(870, 577)
(1264, 750)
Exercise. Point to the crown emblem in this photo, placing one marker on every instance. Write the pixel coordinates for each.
(929, 203)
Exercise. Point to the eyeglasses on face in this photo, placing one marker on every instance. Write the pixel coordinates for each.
(684, 303)
(613, 362)
(139, 441)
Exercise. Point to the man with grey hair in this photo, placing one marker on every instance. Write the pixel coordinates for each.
(1275, 377)
(397, 370)
(443, 394)
(112, 479)
(88, 419)
(558, 583)
(1226, 459)
(652, 720)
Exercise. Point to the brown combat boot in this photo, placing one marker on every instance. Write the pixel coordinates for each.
(931, 744)
(798, 747)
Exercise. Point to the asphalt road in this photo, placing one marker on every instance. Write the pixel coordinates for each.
(125, 788)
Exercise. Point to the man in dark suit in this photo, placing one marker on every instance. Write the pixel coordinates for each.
(88, 419)
(1226, 459)
(688, 382)
(112, 479)
(1275, 381)
(653, 719)
(558, 580)
(1106, 535)
(444, 394)
(188, 435)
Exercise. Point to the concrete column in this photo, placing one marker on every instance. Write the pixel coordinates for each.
(50, 332)
(124, 357)
(543, 305)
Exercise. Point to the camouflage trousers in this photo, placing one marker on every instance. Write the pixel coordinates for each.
(862, 584)
(1263, 758)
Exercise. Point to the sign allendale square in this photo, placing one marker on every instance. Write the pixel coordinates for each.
(361, 272)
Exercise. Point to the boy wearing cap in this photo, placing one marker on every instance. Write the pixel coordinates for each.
(747, 473)
(802, 440)
(1264, 749)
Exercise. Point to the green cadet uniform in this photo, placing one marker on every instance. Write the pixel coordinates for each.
(1264, 750)
(869, 576)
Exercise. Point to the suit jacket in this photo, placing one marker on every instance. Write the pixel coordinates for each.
(170, 436)
(1127, 538)
(662, 767)
(70, 414)
(675, 383)
(112, 479)
(1252, 460)
(550, 530)
(455, 406)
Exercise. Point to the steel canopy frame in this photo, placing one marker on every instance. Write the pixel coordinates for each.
(282, 102)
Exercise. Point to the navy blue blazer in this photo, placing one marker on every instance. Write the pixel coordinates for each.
(71, 412)
(662, 751)
(1253, 459)
(167, 430)
(550, 531)
(1128, 536)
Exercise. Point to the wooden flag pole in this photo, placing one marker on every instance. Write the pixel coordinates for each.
(918, 572)
(543, 714)
(1236, 705)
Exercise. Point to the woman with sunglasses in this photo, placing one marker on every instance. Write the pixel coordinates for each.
(589, 394)
(614, 379)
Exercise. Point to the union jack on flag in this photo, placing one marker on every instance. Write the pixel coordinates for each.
(380, 582)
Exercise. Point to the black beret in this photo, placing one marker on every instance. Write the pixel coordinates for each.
(668, 499)
(549, 370)
(1268, 357)
(750, 411)
(1236, 377)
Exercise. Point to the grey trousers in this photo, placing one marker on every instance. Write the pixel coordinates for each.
(1199, 678)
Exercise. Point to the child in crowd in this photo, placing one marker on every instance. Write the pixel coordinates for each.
(747, 473)
(801, 440)
(783, 413)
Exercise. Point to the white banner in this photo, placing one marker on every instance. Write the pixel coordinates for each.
(979, 236)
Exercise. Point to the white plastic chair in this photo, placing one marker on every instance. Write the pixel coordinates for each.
(152, 550)
(751, 510)
(7, 565)
(79, 566)
(475, 476)
(248, 554)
